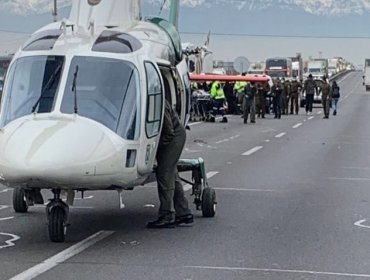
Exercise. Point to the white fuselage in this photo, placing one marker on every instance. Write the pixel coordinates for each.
(62, 149)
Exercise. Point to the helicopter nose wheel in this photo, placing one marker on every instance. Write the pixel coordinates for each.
(57, 213)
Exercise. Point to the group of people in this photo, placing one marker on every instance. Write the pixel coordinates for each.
(258, 99)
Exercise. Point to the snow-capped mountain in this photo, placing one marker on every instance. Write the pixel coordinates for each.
(317, 7)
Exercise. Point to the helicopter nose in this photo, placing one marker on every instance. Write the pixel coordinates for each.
(39, 149)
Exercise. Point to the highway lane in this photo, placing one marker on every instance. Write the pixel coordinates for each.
(290, 192)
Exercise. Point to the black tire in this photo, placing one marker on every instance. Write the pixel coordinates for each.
(209, 202)
(19, 201)
(57, 225)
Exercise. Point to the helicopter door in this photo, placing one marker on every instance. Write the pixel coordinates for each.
(184, 90)
(153, 117)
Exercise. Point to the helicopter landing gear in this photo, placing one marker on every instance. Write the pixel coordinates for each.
(19, 200)
(204, 196)
(57, 214)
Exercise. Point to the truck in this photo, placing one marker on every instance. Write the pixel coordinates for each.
(366, 75)
(279, 67)
(317, 68)
(297, 66)
(334, 66)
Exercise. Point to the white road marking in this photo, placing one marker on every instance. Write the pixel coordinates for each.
(252, 151)
(68, 253)
(72, 207)
(4, 191)
(356, 168)
(228, 139)
(319, 112)
(297, 125)
(267, 141)
(280, 135)
(360, 224)
(288, 271)
(87, 197)
(7, 218)
(2, 207)
(9, 242)
(210, 174)
(194, 123)
(310, 118)
(349, 179)
(245, 190)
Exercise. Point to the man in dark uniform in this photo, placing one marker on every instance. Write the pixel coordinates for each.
(171, 195)
(277, 92)
(286, 96)
(310, 87)
(249, 106)
(294, 96)
(326, 97)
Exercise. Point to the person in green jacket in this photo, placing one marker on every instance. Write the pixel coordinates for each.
(218, 96)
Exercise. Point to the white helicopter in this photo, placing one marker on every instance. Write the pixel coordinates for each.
(83, 103)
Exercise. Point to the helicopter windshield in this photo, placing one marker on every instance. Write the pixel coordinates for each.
(32, 86)
(107, 91)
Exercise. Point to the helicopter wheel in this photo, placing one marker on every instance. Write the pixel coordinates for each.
(57, 224)
(19, 201)
(209, 202)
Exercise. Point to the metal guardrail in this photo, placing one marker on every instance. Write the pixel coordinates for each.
(337, 76)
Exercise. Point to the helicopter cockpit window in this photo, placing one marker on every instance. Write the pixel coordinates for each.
(155, 101)
(107, 92)
(116, 42)
(42, 41)
(33, 84)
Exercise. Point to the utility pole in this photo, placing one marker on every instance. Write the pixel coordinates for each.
(55, 11)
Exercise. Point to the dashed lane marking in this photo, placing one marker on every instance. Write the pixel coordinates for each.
(287, 271)
(267, 141)
(2, 207)
(360, 224)
(349, 179)
(252, 151)
(245, 190)
(210, 174)
(68, 253)
(6, 219)
(4, 191)
(310, 118)
(9, 242)
(194, 123)
(280, 135)
(297, 125)
(319, 112)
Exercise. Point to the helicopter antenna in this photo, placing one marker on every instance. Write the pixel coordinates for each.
(161, 8)
(55, 11)
(174, 13)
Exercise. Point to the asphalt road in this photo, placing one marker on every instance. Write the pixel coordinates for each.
(293, 203)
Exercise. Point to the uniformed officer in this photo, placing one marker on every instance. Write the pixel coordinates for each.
(277, 92)
(261, 100)
(249, 106)
(171, 195)
(326, 97)
(239, 91)
(218, 95)
(285, 97)
(295, 86)
(310, 87)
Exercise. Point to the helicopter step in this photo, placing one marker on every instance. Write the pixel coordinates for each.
(204, 195)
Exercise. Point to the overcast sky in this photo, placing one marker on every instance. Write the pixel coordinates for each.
(256, 29)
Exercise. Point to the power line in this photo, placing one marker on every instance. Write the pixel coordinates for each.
(274, 35)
